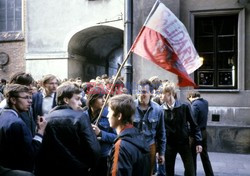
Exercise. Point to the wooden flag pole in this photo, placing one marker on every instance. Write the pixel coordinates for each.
(117, 74)
(113, 85)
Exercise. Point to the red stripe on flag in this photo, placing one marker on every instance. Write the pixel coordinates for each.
(154, 47)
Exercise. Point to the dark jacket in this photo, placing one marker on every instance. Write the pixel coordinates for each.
(37, 104)
(129, 155)
(17, 146)
(69, 146)
(180, 124)
(200, 111)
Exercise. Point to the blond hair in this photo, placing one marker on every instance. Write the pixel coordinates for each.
(169, 87)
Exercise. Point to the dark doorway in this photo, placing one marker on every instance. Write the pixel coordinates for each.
(95, 51)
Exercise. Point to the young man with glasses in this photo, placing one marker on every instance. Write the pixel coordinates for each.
(149, 119)
(18, 148)
(27, 116)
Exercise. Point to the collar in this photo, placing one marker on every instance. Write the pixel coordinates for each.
(45, 95)
(167, 106)
(7, 109)
(126, 126)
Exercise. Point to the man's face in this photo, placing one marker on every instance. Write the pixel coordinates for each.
(51, 86)
(144, 94)
(113, 121)
(75, 101)
(22, 102)
(166, 97)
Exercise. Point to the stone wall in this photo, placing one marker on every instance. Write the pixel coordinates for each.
(229, 139)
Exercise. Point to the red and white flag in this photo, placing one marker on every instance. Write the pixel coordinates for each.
(165, 41)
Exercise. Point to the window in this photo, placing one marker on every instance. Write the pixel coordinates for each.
(216, 42)
(11, 20)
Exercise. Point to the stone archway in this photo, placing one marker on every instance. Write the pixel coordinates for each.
(95, 51)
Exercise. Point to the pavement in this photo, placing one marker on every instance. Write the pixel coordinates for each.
(223, 164)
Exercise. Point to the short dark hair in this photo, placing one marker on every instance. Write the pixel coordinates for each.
(193, 94)
(144, 82)
(22, 78)
(66, 90)
(123, 104)
(13, 90)
(3, 81)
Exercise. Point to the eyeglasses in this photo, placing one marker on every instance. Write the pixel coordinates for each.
(26, 97)
(142, 91)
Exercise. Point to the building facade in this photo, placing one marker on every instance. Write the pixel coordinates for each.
(220, 31)
(85, 38)
(66, 38)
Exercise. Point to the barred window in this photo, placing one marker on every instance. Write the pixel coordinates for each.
(10, 20)
(216, 43)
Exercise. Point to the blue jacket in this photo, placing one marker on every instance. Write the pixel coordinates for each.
(130, 154)
(200, 111)
(151, 124)
(108, 133)
(17, 146)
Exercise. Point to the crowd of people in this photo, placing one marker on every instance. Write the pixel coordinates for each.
(64, 127)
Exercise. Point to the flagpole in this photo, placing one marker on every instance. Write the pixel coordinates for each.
(125, 60)
(118, 72)
(113, 84)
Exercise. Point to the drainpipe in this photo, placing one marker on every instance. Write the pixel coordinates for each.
(127, 44)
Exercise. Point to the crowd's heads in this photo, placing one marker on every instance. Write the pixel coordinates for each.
(66, 90)
(123, 104)
(22, 78)
(86, 87)
(155, 81)
(104, 76)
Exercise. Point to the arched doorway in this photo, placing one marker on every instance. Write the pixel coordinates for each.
(95, 51)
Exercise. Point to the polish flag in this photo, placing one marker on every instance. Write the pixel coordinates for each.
(165, 41)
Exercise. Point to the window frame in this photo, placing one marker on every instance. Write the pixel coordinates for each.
(240, 79)
(14, 35)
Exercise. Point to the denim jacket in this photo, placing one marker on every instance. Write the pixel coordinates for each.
(151, 124)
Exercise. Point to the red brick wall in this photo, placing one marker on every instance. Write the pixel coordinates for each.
(16, 63)
(15, 50)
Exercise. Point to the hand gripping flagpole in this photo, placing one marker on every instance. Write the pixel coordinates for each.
(125, 60)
